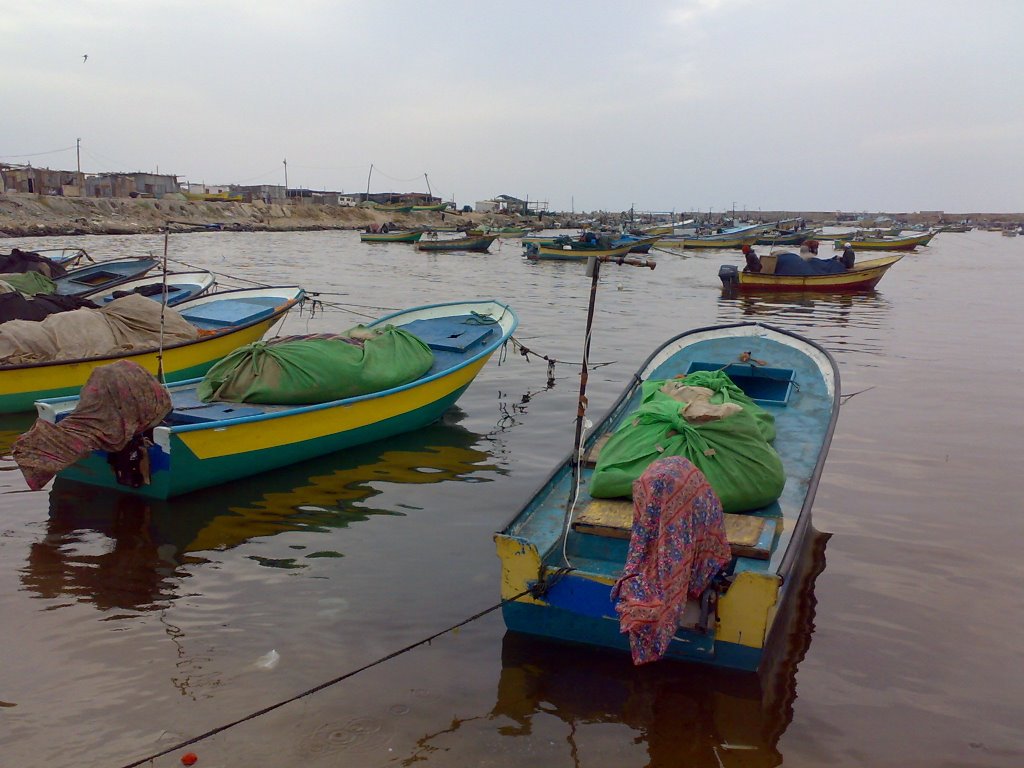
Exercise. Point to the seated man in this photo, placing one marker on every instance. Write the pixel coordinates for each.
(753, 262)
(809, 250)
(848, 257)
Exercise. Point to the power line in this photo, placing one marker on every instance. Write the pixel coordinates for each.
(37, 154)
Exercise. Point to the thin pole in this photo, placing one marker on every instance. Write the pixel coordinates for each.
(429, 193)
(78, 154)
(368, 181)
(163, 307)
(286, 178)
(581, 407)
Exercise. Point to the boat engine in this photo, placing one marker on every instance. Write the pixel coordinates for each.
(729, 274)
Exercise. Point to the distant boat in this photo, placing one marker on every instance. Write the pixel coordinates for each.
(181, 286)
(862, 277)
(478, 244)
(1009, 233)
(86, 281)
(706, 242)
(784, 237)
(885, 243)
(566, 249)
(394, 236)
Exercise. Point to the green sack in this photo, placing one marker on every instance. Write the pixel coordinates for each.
(741, 466)
(303, 371)
(726, 391)
(29, 283)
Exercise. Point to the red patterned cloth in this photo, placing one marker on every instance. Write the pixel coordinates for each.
(117, 402)
(677, 545)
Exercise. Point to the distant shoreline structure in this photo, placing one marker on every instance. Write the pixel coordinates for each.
(33, 215)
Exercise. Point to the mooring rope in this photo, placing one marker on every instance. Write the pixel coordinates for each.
(538, 589)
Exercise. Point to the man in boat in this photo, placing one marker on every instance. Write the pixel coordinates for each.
(848, 256)
(753, 260)
(809, 250)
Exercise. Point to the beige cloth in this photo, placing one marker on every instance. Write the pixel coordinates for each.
(698, 407)
(128, 324)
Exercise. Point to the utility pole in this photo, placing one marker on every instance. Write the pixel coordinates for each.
(78, 154)
(286, 178)
(368, 182)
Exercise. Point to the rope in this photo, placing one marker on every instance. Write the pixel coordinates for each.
(526, 352)
(538, 589)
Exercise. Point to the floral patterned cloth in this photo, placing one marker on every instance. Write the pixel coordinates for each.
(117, 402)
(677, 545)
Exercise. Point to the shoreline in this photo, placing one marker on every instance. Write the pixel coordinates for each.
(31, 215)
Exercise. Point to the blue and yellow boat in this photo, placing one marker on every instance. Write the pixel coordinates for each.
(227, 320)
(204, 444)
(101, 275)
(562, 553)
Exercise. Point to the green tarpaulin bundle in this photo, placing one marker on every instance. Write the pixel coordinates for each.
(301, 370)
(733, 452)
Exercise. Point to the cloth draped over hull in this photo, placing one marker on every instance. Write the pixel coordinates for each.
(789, 263)
(30, 261)
(128, 324)
(27, 283)
(14, 306)
(677, 546)
(118, 401)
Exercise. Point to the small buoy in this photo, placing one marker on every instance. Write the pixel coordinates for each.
(189, 758)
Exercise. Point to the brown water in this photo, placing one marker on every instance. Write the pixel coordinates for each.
(129, 627)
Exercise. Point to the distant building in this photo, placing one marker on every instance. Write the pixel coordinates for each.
(137, 184)
(266, 193)
(41, 181)
(509, 204)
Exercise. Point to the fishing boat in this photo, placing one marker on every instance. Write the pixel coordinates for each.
(564, 551)
(885, 243)
(181, 286)
(87, 281)
(68, 258)
(785, 237)
(394, 236)
(502, 232)
(478, 244)
(862, 277)
(707, 242)
(203, 444)
(565, 249)
(395, 208)
(226, 320)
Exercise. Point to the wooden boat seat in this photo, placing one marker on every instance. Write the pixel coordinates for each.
(227, 312)
(450, 334)
(749, 535)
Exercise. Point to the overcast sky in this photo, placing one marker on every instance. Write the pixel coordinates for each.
(896, 105)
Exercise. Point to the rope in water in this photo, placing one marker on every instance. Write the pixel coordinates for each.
(537, 590)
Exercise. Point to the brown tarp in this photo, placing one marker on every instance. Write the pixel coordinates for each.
(128, 324)
(118, 401)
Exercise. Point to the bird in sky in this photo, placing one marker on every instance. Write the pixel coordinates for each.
(85, 57)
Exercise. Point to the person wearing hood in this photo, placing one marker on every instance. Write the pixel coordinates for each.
(848, 257)
(753, 261)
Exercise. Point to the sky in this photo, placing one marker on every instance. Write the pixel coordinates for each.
(658, 105)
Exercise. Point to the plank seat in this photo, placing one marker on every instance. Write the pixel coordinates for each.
(749, 535)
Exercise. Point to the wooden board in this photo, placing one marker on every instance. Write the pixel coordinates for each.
(590, 457)
(749, 535)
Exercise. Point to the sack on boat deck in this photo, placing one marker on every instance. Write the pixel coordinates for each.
(28, 283)
(127, 324)
(14, 306)
(118, 401)
(732, 452)
(303, 370)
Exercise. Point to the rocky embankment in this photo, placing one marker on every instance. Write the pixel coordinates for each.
(27, 215)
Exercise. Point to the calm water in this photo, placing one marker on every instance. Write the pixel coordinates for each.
(129, 626)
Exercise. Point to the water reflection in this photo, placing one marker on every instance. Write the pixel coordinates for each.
(119, 550)
(856, 321)
(683, 714)
(11, 426)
